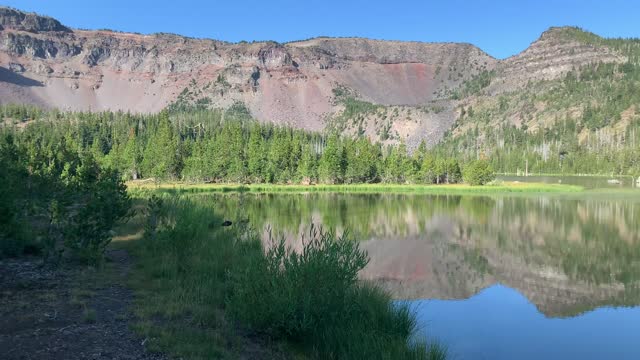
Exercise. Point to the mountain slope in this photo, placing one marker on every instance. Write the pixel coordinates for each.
(390, 91)
(287, 83)
(579, 116)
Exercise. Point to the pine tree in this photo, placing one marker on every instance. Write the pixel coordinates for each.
(428, 170)
(330, 169)
(307, 168)
(195, 167)
(160, 155)
(256, 154)
(131, 157)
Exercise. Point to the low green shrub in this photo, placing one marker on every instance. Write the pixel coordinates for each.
(97, 200)
(154, 216)
(290, 293)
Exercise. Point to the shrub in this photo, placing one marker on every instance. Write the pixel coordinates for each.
(478, 172)
(57, 194)
(13, 175)
(295, 292)
(313, 298)
(154, 214)
(97, 200)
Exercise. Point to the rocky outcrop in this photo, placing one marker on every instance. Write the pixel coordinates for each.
(18, 20)
(554, 54)
(22, 44)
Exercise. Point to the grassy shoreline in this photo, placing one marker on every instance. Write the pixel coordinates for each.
(208, 291)
(498, 188)
(567, 175)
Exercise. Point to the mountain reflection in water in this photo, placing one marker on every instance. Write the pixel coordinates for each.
(564, 263)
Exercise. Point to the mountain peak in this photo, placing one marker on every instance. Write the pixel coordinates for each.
(569, 33)
(18, 20)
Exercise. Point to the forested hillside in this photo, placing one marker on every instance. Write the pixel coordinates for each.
(587, 121)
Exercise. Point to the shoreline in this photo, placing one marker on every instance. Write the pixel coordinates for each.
(445, 189)
(564, 175)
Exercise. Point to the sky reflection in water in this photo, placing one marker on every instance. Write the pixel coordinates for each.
(499, 323)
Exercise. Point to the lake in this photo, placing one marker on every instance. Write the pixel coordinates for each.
(499, 277)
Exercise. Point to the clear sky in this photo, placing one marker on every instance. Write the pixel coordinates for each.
(500, 27)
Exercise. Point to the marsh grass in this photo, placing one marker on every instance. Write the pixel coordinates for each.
(143, 189)
(205, 291)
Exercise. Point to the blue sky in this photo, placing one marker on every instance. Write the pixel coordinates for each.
(501, 28)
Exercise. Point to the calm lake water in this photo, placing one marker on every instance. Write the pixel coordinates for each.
(528, 277)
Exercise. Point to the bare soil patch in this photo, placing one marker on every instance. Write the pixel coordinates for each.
(68, 312)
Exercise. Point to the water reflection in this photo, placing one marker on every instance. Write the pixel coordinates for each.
(501, 324)
(565, 255)
(562, 263)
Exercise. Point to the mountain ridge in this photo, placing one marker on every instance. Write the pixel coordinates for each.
(405, 91)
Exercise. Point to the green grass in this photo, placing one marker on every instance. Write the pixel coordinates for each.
(180, 281)
(608, 176)
(498, 188)
(204, 291)
(313, 297)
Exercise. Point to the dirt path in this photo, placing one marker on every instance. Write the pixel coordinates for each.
(67, 313)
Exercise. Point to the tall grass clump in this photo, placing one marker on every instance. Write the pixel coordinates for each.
(313, 298)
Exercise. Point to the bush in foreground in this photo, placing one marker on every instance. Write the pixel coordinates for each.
(13, 177)
(96, 201)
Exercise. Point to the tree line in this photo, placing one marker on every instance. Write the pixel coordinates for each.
(229, 146)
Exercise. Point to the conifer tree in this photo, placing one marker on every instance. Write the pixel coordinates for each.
(307, 172)
(330, 168)
(256, 154)
(160, 155)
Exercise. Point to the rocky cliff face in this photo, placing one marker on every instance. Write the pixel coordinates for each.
(18, 20)
(45, 63)
(550, 57)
